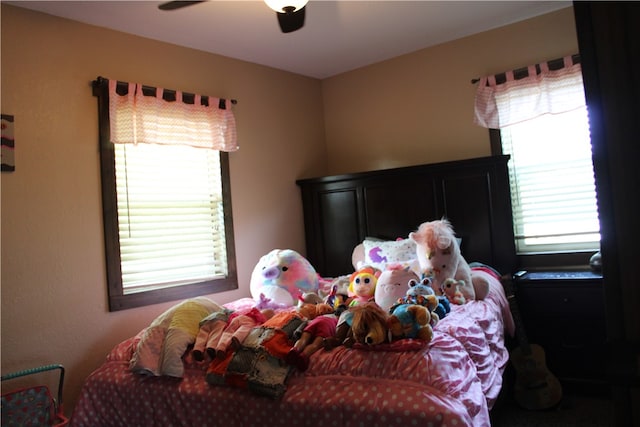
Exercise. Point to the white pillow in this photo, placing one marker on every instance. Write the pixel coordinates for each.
(379, 254)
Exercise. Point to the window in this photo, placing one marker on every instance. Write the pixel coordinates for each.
(552, 183)
(167, 213)
(551, 171)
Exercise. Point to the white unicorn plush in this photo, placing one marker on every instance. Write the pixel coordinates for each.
(439, 254)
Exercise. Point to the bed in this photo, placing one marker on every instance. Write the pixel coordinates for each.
(453, 380)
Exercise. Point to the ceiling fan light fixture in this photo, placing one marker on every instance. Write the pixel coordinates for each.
(286, 6)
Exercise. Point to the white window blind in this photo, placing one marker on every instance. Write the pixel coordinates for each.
(170, 214)
(552, 183)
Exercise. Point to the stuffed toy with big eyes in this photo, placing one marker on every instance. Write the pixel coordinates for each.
(362, 285)
(421, 293)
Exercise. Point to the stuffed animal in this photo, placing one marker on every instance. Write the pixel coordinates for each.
(410, 321)
(312, 337)
(343, 335)
(237, 328)
(369, 324)
(281, 277)
(364, 323)
(211, 327)
(451, 288)
(391, 284)
(362, 285)
(339, 292)
(421, 293)
(160, 349)
(438, 253)
(310, 298)
(310, 311)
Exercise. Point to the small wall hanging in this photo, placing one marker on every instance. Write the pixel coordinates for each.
(8, 144)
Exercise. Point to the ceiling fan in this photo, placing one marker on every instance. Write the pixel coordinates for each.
(290, 13)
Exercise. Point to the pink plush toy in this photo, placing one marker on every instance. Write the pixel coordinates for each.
(392, 284)
(439, 253)
(281, 277)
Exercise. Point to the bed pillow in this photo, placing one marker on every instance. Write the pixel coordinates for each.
(379, 254)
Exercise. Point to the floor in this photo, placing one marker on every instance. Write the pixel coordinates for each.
(576, 409)
(573, 411)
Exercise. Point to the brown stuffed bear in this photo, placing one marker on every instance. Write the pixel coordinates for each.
(410, 321)
(365, 323)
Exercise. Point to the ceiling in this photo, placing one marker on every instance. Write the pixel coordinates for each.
(338, 36)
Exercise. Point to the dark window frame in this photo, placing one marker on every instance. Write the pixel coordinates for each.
(118, 300)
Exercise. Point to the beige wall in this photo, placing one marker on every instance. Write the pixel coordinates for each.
(396, 113)
(418, 108)
(54, 302)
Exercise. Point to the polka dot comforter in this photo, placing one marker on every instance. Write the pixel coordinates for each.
(452, 381)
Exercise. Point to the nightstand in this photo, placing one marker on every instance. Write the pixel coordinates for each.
(563, 312)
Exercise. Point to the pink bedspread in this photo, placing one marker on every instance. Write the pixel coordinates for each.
(452, 381)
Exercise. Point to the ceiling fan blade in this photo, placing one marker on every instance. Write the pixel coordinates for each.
(291, 21)
(173, 5)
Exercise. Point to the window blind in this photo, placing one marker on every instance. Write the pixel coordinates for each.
(552, 183)
(170, 214)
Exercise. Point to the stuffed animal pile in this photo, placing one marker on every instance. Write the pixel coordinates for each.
(368, 307)
(421, 293)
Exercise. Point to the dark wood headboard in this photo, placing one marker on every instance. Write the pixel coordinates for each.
(341, 210)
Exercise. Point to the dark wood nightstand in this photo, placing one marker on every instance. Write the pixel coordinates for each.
(563, 312)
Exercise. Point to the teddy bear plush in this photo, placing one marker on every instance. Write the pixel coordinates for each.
(410, 321)
(451, 288)
(439, 254)
(281, 277)
(391, 285)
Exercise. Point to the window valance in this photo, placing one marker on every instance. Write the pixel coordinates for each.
(140, 117)
(498, 105)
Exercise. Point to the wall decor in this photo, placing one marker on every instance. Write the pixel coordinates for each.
(8, 144)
